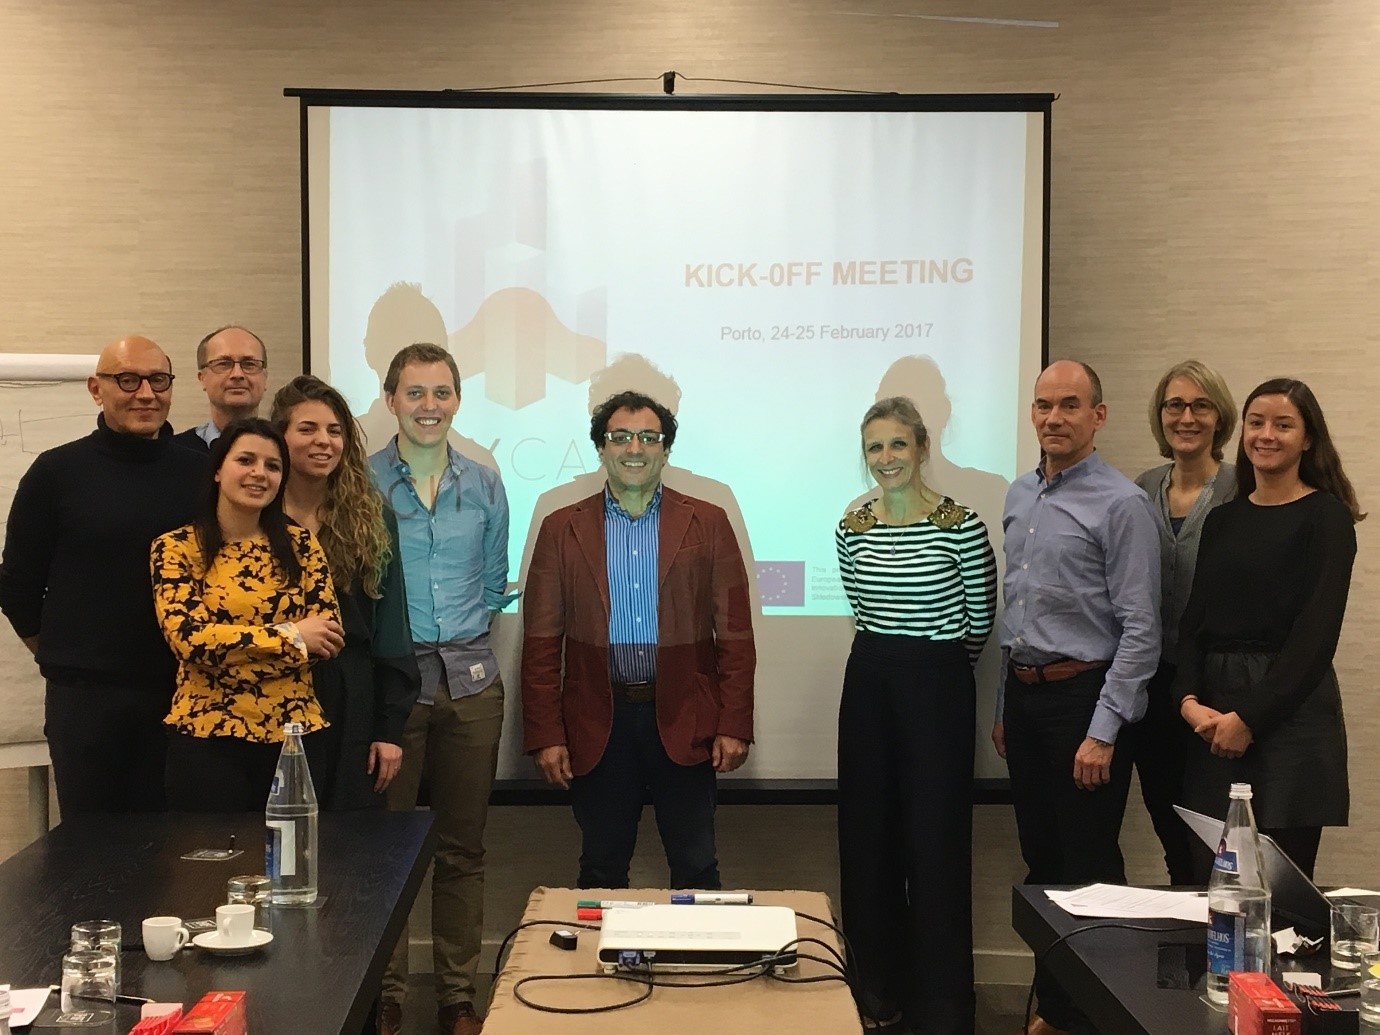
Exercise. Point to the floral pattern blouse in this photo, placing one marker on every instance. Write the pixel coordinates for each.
(242, 668)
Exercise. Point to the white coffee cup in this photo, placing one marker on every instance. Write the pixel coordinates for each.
(235, 923)
(163, 937)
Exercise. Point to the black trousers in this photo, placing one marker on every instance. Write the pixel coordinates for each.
(1158, 745)
(107, 746)
(1067, 835)
(219, 774)
(905, 819)
(607, 802)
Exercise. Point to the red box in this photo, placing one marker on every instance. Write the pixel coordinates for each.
(1258, 1006)
(158, 1024)
(215, 1013)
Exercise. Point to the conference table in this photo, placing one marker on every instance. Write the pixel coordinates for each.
(322, 970)
(1115, 975)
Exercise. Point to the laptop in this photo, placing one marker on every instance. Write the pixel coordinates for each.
(1295, 901)
(675, 937)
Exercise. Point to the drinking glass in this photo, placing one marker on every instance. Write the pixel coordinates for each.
(1370, 988)
(255, 890)
(88, 980)
(99, 935)
(1355, 931)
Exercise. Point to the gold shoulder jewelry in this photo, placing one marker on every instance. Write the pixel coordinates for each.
(860, 520)
(947, 514)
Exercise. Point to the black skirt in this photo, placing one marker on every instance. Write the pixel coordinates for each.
(1297, 771)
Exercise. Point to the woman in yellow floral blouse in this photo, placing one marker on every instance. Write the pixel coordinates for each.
(245, 600)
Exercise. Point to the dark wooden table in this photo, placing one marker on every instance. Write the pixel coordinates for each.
(1112, 974)
(320, 974)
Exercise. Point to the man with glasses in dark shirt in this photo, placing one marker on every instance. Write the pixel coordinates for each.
(74, 583)
(638, 656)
(232, 366)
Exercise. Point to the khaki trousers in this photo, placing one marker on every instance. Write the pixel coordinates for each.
(456, 743)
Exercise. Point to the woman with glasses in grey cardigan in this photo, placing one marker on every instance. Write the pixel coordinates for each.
(1192, 418)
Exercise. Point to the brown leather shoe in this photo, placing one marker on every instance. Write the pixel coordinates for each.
(389, 1018)
(459, 1019)
(1039, 1026)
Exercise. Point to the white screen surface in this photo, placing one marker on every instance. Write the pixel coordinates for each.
(767, 274)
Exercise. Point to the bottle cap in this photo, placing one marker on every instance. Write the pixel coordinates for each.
(291, 729)
(1241, 790)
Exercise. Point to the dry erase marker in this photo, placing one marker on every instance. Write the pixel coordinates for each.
(608, 903)
(713, 898)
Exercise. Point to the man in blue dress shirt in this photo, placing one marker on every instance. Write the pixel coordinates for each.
(453, 530)
(1080, 639)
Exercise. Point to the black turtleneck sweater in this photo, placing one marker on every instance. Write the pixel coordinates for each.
(75, 570)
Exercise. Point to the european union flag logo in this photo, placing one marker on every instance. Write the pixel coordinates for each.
(781, 583)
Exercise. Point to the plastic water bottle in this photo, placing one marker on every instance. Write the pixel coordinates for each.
(290, 825)
(4, 1010)
(1238, 936)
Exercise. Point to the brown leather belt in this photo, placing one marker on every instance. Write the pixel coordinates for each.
(1055, 671)
(635, 693)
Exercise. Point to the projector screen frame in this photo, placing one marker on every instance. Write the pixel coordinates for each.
(986, 790)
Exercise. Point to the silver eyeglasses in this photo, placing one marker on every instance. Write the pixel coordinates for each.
(1175, 407)
(225, 364)
(623, 438)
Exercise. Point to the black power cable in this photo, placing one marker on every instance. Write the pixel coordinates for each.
(839, 965)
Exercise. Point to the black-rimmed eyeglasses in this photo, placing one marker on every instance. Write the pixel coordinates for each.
(129, 381)
(224, 365)
(623, 438)
(1175, 407)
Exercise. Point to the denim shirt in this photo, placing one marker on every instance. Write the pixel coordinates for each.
(455, 566)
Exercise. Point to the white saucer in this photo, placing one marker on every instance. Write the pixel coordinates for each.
(211, 942)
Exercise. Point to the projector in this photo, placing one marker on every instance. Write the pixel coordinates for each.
(690, 937)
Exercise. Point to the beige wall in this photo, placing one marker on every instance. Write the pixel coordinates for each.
(1213, 194)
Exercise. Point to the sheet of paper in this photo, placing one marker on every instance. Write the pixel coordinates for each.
(1294, 978)
(1349, 892)
(26, 1004)
(1117, 901)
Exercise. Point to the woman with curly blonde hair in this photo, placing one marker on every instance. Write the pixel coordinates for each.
(368, 690)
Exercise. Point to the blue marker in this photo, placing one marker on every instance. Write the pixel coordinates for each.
(713, 898)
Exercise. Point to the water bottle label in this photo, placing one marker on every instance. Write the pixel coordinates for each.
(282, 848)
(1225, 861)
(271, 853)
(1226, 942)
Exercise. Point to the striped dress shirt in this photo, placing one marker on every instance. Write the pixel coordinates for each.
(631, 552)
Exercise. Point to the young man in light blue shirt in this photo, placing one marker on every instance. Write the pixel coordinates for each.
(453, 529)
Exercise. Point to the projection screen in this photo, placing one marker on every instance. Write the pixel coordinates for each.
(766, 266)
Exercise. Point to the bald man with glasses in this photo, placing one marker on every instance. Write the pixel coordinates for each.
(74, 583)
(232, 366)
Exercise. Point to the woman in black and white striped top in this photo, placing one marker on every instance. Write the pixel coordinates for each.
(920, 574)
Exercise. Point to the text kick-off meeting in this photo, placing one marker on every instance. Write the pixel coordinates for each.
(834, 521)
